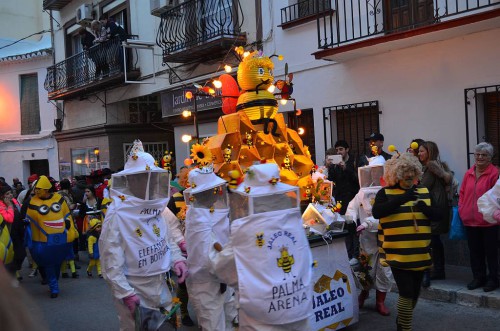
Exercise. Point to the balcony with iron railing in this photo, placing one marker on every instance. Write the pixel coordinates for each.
(303, 11)
(355, 28)
(98, 68)
(54, 4)
(200, 30)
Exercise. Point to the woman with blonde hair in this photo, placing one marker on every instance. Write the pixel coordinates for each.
(405, 214)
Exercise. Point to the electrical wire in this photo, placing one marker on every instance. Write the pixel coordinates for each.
(31, 35)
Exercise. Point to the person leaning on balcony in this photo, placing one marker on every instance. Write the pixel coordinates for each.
(98, 53)
(482, 236)
(113, 31)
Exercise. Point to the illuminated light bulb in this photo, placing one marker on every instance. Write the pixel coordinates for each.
(78, 161)
(298, 112)
(271, 88)
(228, 68)
(246, 54)
(301, 131)
(280, 57)
(186, 138)
(283, 101)
(211, 90)
(217, 83)
(186, 113)
(414, 145)
(189, 95)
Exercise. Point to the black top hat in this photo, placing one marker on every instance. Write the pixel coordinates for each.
(375, 136)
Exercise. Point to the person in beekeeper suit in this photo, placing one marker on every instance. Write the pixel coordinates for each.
(135, 243)
(361, 208)
(207, 222)
(268, 259)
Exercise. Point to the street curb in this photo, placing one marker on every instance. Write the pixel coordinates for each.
(461, 295)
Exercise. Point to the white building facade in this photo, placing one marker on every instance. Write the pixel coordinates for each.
(27, 144)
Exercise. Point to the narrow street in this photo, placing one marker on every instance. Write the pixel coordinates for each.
(85, 304)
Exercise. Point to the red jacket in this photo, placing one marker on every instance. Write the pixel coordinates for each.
(471, 190)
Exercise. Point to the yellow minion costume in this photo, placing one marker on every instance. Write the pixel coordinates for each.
(51, 232)
(93, 245)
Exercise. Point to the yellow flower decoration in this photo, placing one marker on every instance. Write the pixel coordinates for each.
(176, 300)
(201, 154)
(122, 197)
(147, 168)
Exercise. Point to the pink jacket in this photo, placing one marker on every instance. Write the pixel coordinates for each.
(8, 213)
(471, 190)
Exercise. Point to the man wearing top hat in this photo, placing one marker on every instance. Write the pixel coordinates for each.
(376, 145)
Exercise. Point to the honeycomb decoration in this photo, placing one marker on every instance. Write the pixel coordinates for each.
(218, 143)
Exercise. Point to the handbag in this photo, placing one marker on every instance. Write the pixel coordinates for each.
(457, 229)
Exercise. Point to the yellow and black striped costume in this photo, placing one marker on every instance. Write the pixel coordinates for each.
(404, 236)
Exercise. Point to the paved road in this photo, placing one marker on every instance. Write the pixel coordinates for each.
(86, 305)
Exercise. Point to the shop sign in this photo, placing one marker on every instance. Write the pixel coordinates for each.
(175, 102)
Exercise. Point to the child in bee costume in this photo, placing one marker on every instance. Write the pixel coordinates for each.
(93, 245)
(51, 232)
(268, 259)
(135, 245)
(360, 208)
(207, 222)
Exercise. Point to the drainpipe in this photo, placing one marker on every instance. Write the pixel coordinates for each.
(52, 39)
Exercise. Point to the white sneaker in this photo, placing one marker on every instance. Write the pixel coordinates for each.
(353, 261)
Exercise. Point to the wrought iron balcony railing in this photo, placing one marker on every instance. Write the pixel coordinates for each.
(55, 4)
(302, 10)
(198, 29)
(356, 20)
(89, 69)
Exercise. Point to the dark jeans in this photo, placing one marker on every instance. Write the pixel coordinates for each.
(408, 282)
(352, 240)
(483, 249)
(437, 252)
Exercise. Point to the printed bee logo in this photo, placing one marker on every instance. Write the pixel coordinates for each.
(147, 168)
(260, 239)
(285, 262)
(122, 197)
(247, 189)
(212, 209)
(156, 230)
(134, 157)
(138, 232)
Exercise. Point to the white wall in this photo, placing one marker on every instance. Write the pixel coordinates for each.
(420, 89)
(15, 148)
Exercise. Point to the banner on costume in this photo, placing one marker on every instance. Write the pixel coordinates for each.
(274, 262)
(145, 234)
(332, 302)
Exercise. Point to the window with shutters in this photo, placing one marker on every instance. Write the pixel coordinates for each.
(352, 123)
(30, 107)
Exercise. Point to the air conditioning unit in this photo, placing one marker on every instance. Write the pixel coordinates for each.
(158, 7)
(84, 13)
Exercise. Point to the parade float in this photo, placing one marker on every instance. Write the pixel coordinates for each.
(252, 132)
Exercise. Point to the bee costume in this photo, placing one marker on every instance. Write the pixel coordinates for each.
(135, 245)
(51, 232)
(207, 222)
(268, 259)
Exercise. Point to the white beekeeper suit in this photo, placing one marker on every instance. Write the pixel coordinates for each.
(136, 246)
(207, 222)
(268, 259)
(360, 207)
